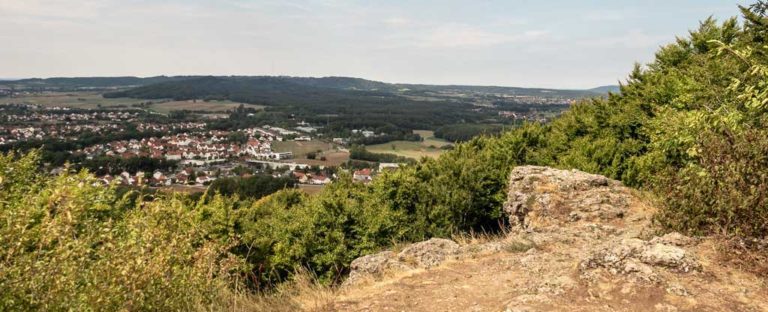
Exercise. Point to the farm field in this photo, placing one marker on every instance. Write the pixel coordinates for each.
(211, 106)
(430, 147)
(300, 149)
(93, 100)
(85, 100)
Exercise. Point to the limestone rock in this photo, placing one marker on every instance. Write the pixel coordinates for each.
(373, 266)
(675, 239)
(541, 196)
(639, 258)
(425, 254)
(429, 253)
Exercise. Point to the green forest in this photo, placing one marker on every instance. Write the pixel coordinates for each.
(689, 127)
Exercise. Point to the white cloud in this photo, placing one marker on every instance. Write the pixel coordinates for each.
(397, 22)
(604, 16)
(465, 36)
(53, 8)
(632, 39)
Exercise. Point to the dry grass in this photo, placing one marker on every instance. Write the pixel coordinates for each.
(749, 255)
(476, 238)
(302, 293)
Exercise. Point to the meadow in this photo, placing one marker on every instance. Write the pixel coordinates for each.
(82, 100)
(429, 147)
(94, 100)
(300, 149)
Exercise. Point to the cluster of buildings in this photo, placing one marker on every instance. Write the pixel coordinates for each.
(144, 126)
(44, 116)
(311, 178)
(183, 176)
(196, 148)
(364, 133)
(522, 116)
(203, 155)
(11, 134)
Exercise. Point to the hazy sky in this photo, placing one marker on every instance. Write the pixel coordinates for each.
(556, 43)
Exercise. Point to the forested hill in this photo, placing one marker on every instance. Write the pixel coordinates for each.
(343, 83)
(225, 86)
(77, 83)
(258, 90)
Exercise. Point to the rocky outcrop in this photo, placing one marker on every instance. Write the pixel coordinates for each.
(422, 255)
(578, 242)
(542, 196)
(640, 258)
(429, 253)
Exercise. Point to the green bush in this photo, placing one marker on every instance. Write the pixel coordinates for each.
(67, 243)
(725, 191)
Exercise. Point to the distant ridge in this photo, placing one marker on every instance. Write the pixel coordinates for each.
(332, 82)
(606, 89)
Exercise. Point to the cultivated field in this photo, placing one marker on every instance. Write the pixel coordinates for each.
(211, 106)
(430, 147)
(92, 100)
(71, 99)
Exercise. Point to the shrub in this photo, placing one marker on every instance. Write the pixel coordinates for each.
(67, 243)
(725, 191)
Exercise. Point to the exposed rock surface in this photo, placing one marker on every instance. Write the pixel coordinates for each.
(424, 255)
(541, 196)
(429, 253)
(579, 242)
(638, 257)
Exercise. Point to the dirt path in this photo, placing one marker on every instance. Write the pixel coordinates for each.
(474, 285)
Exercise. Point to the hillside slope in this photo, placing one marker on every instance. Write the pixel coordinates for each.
(580, 242)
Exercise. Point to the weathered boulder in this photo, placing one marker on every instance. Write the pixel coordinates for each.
(424, 254)
(373, 266)
(637, 257)
(429, 253)
(542, 196)
(675, 239)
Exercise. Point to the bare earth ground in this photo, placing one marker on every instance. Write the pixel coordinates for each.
(491, 282)
(581, 243)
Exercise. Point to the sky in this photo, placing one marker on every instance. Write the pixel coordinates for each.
(571, 44)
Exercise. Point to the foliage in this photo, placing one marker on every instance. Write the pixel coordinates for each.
(725, 191)
(465, 132)
(360, 153)
(319, 101)
(68, 244)
(255, 187)
(116, 165)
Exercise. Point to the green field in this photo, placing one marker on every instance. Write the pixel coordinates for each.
(211, 106)
(429, 147)
(92, 100)
(71, 99)
(300, 149)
